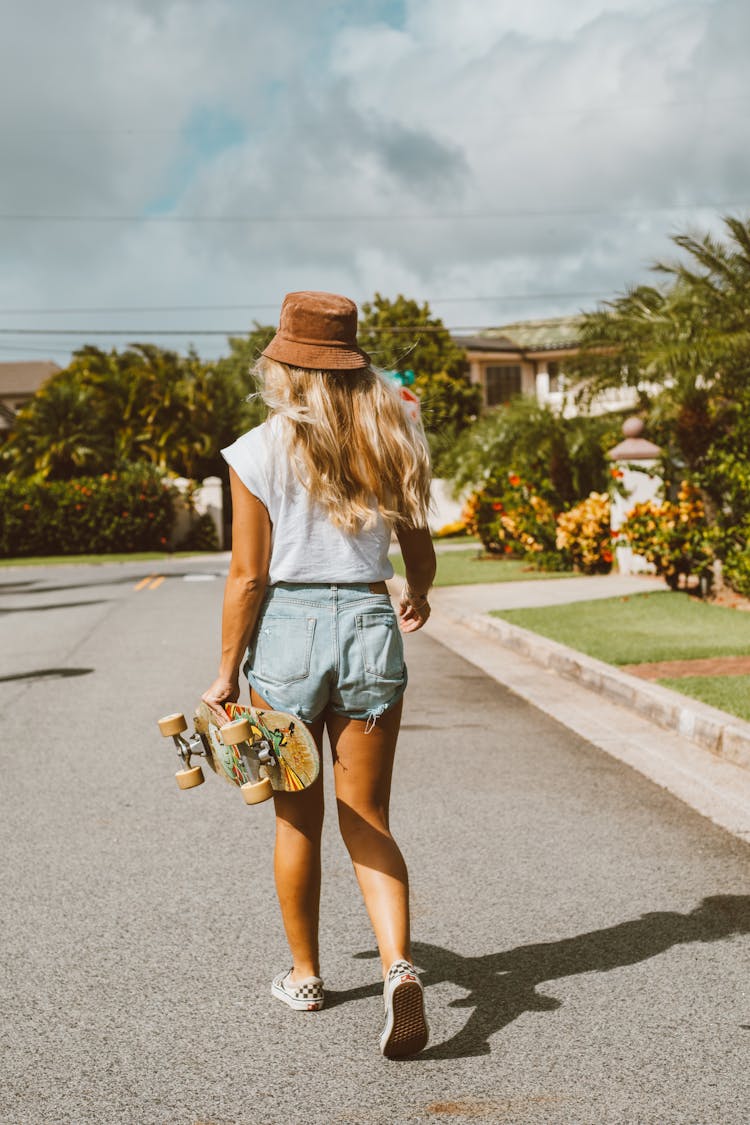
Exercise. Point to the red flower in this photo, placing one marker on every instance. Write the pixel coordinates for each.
(616, 474)
(514, 479)
(497, 506)
(607, 556)
(508, 549)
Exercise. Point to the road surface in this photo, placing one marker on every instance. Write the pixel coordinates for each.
(583, 934)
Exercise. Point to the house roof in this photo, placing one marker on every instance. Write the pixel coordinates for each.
(553, 334)
(25, 377)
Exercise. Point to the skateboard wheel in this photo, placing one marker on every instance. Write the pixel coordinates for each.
(256, 792)
(172, 724)
(188, 779)
(239, 731)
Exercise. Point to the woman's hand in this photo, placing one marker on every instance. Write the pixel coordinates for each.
(413, 611)
(222, 691)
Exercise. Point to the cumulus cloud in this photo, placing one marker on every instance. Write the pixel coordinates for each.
(464, 151)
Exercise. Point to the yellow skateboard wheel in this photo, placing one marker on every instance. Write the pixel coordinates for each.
(188, 779)
(255, 793)
(172, 724)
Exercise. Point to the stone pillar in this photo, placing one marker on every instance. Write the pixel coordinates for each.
(635, 457)
(542, 386)
(197, 500)
(208, 501)
(183, 512)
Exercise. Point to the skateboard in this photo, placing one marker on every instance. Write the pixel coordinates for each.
(260, 751)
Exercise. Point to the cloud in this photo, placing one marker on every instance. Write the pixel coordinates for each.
(464, 151)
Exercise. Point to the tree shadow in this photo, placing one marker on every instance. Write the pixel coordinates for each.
(502, 986)
(46, 673)
(4, 610)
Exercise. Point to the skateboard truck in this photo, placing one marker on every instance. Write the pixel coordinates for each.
(189, 776)
(254, 791)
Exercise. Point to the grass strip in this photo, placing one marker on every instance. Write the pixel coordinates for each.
(640, 628)
(466, 568)
(728, 693)
(133, 556)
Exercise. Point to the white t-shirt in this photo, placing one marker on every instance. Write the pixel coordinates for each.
(305, 545)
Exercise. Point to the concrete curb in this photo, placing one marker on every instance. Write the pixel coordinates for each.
(723, 735)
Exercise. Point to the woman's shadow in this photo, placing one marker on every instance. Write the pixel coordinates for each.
(502, 986)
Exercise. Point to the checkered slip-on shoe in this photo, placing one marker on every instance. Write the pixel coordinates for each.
(406, 1031)
(304, 996)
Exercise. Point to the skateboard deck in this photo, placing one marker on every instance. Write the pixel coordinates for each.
(258, 750)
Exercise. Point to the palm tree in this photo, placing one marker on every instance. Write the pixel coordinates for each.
(56, 436)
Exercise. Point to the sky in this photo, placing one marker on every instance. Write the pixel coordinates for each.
(179, 165)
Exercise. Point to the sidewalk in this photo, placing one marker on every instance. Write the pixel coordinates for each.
(483, 597)
(698, 753)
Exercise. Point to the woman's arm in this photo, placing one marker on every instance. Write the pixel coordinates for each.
(420, 565)
(244, 590)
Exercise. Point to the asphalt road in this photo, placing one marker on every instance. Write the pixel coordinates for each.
(583, 935)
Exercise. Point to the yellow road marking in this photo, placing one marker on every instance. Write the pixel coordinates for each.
(143, 582)
(157, 582)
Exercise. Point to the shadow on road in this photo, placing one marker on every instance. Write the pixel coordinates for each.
(54, 605)
(502, 986)
(46, 673)
(10, 589)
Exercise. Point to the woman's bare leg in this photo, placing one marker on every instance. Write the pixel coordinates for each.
(299, 822)
(362, 768)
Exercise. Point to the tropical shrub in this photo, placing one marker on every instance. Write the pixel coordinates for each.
(584, 536)
(674, 537)
(736, 565)
(132, 510)
(201, 536)
(515, 521)
(564, 457)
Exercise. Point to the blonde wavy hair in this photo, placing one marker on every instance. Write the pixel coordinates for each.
(349, 439)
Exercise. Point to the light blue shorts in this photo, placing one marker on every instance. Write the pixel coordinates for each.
(321, 645)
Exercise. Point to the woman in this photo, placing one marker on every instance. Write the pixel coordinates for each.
(316, 491)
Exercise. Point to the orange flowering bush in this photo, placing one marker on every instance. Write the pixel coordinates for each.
(583, 534)
(511, 519)
(674, 537)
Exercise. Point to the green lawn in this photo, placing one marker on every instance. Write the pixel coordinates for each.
(133, 556)
(728, 693)
(464, 568)
(643, 628)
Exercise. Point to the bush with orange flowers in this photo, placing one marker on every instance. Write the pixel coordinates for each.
(584, 536)
(513, 520)
(674, 537)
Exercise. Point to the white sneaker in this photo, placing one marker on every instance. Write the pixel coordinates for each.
(304, 996)
(406, 1031)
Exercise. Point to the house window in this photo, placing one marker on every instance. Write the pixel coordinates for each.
(502, 383)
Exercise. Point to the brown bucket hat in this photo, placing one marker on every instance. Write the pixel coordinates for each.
(318, 330)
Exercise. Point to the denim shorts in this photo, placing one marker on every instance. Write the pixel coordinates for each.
(320, 645)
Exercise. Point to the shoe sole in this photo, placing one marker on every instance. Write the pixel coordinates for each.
(292, 1002)
(407, 1033)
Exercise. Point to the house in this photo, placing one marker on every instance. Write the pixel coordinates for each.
(19, 382)
(529, 358)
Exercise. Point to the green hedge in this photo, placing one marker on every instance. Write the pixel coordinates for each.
(131, 510)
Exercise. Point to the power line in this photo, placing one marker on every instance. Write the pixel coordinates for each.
(135, 333)
(276, 304)
(510, 213)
